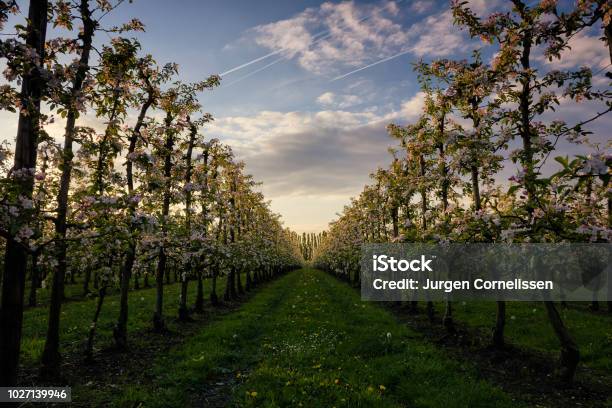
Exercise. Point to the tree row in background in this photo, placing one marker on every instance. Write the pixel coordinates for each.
(308, 243)
(479, 119)
(126, 203)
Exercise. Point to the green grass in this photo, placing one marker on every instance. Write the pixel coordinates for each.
(308, 340)
(527, 326)
(72, 291)
(76, 318)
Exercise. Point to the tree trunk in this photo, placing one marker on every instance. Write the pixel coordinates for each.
(51, 355)
(94, 325)
(214, 299)
(34, 280)
(255, 278)
(500, 324)
(395, 220)
(26, 146)
(199, 302)
(475, 188)
(86, 281)
(158, 317)
(230, 286)
(239, 283)
(570, 355)
(183, 311)
(447, 320)
(249, 283)
(423, 194)
(120, 330)
(430, 311)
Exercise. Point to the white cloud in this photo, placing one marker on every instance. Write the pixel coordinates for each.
(422, 6)
(291, 35)
(326, 98)
(485, 7)
(584, 50)
(436, 36)
(335, 35)
(323, 156)
(340, 37)
(413, 107)
(325, 153)
(329, 99)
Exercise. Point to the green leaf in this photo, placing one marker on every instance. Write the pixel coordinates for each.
(513, 189)
(563, 160)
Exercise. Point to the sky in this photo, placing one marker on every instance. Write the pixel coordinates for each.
(308, 87)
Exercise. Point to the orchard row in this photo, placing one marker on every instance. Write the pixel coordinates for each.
(481, 120)
(139, 194)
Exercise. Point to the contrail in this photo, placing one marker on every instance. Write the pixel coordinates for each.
(319, 36)
(276, 61)
(246, 64)
(370, 65)
(273, 53)
(315, 39)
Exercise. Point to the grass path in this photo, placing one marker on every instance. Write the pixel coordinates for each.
(307, 340)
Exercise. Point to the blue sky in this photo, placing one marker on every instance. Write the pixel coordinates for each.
(310, 139)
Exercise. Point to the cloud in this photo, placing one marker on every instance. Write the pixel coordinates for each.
(337, 38)
(422, 6)
(413, 107)
(326, 98)
(483, 8)
(329, 99)
(584, 50)
(436, 36)
(320, 161)
(341, 39)
(320, 154)
(330, 153)
(326, 153)
(335, 35)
